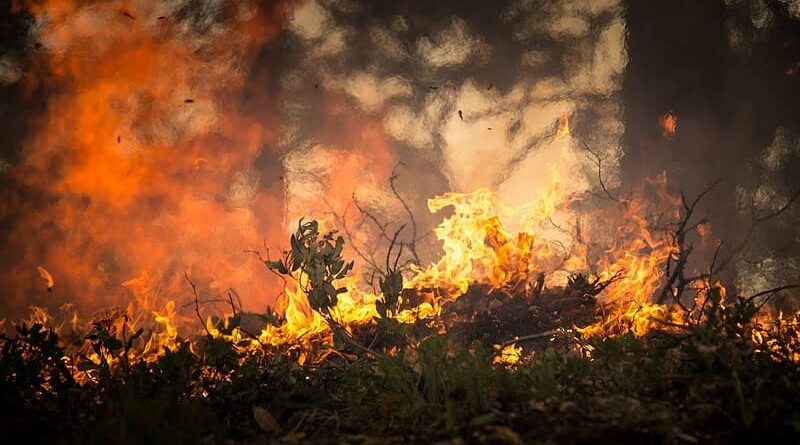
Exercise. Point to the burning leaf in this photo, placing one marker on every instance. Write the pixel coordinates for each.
(46, 277)
(460, 115)
(128, 15)
(265, 420)
(188, 101)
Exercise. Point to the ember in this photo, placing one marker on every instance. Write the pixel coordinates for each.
(669, 125)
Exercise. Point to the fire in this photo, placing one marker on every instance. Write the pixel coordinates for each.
(142, 158)
(669, 125)
(508, 354)
(302, 321)
(477, 247)
(484, 242)
(148, 181)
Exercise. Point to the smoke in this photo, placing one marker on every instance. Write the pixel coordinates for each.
(472, 99)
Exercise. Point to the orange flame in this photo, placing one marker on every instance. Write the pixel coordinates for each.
(143, 156)
(669, 125)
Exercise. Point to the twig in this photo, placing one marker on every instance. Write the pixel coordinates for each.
(371, 217)
(412, 245)
(230, 299)
(771, 292)
(676, 280)
(196, 303)
(530, 337)
(599, 162)
(499, 351)
(342, 220)
(755, 222)
(783, 208)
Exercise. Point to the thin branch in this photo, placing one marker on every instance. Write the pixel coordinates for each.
(230, 299)
(412, 245)
(529, 337)
(599, 162)
(342, 221)
(196, 302)
(783, 208)
(771, 292)
(676, 280)
(371, 217)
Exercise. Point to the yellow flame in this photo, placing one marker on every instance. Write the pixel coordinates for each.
(509, 355)
(477, 247)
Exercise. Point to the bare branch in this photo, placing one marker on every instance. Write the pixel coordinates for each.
(411, 244)
(770, 293)
(599, 161)
(783, 208)
(196, 302)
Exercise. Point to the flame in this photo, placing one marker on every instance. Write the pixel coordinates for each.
(635, 268)
(509, 355)
(669, 125)
(302, 322)
(771, 328)
(143, 156)
(478, 248)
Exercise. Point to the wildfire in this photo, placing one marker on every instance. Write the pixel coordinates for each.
(139, 197)
(483, 241)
